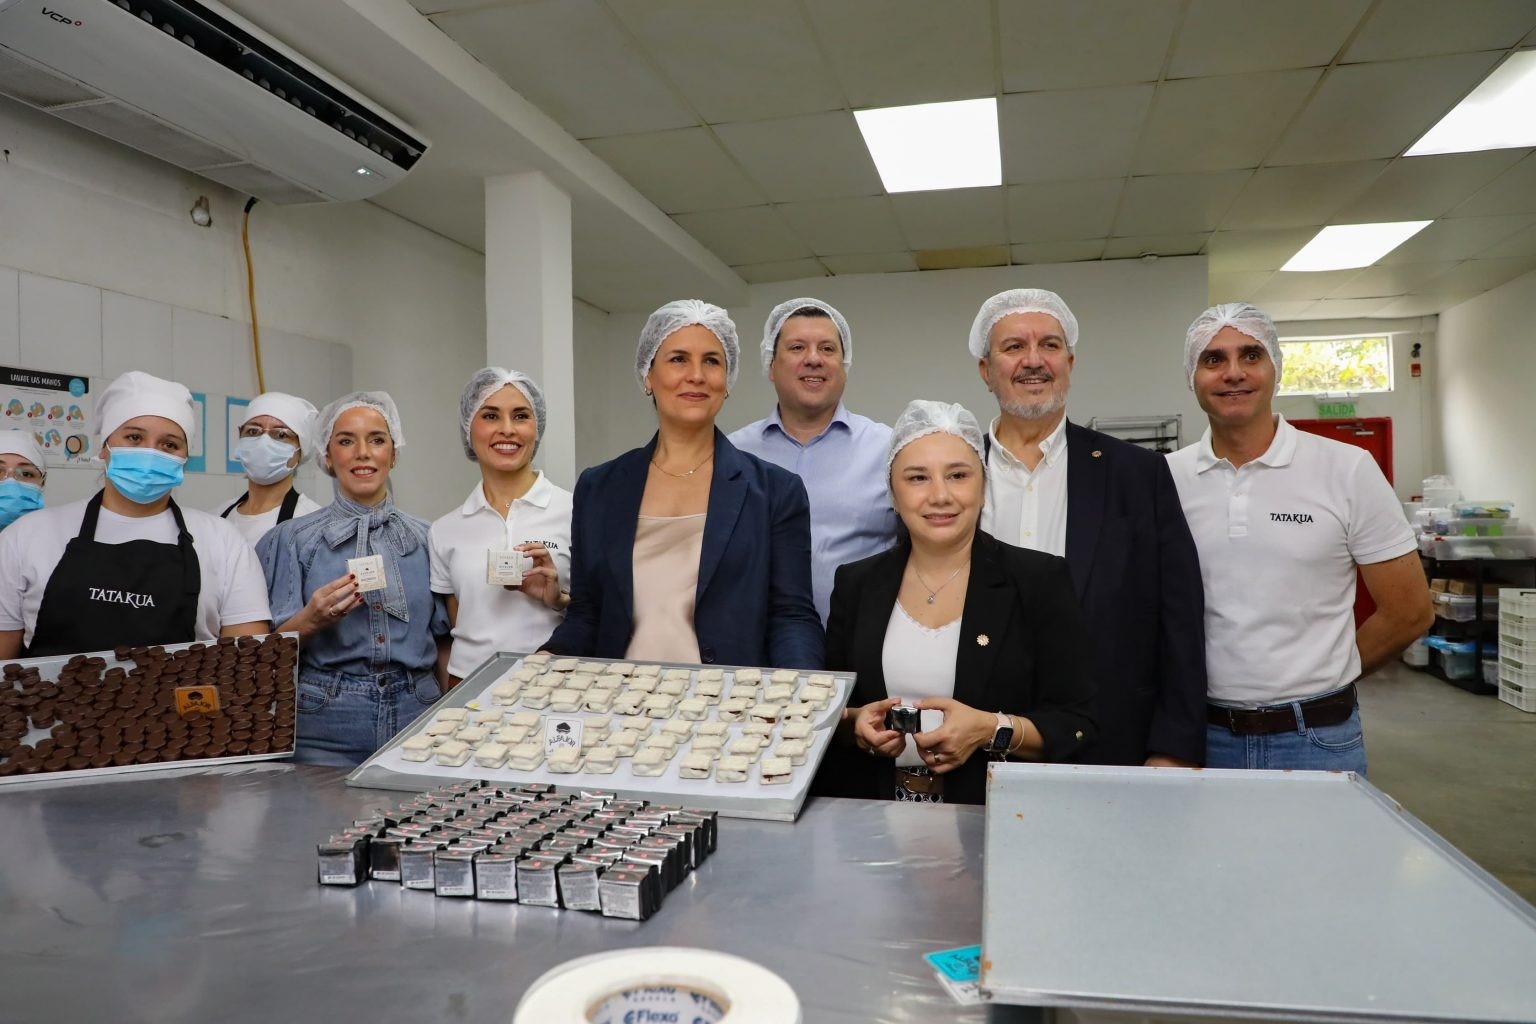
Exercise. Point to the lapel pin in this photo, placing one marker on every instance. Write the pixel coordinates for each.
(982, 639)
(1096, 453)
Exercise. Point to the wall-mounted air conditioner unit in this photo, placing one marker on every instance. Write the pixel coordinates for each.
(195, 85)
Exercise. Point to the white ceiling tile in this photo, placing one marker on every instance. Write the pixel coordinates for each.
(962, 258)
(1057, 252)
(1514, 191)
(787, 270)
(818, 156)
(439, 6)
(1060, 211)
(1521, 243)
(1364, 111)
(1345, 308)
(1159, 245)
(1062, 44)
(834, 227)
(1481, 275)
(1238, 287)
(871, 263)
(893, 52)
(1214, 124)
(1300, 195)
(1423, 305)
(681, 171)
(1416, 28)
(735, 61)
(1289, 310)
(1458, 238)
(1394, 279)
(753, 235)
(1233, 251)
(569, 59)
(1293, 34)
(1078, 133)
(1174, 204)
(1425, 187)
(952, 219)
(1293, 287)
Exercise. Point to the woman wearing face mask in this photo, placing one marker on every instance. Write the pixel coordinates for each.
(21, 475)
(368, 658)
(129, 566)
(276, 437)
(985, 639)
(514, 508)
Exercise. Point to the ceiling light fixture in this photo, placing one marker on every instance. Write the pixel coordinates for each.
(1495, 115)
(934, 145)
(1345, 246)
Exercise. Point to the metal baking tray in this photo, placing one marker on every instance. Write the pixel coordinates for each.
(386, 769)
(49, 667)
(1263, 895)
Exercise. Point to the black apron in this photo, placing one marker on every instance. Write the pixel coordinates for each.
(284, 511)
(107, 595)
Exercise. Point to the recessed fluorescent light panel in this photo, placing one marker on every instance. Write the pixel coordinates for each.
(1345, 246)
(934, 145)
(1497, 114)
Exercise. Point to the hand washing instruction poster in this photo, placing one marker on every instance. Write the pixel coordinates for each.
(55, 407)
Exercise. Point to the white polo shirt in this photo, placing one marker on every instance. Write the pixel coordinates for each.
(234, 591)
(1279, 539)
(1028, 508)
(492, 618)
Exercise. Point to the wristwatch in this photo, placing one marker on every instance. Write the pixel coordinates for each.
(1002, 739)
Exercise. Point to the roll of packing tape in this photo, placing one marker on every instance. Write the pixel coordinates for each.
(659, 985)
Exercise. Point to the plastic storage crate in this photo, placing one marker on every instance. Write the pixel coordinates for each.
(1517, 677)
(1463, 607)
(1458, 659)
(1517, 614)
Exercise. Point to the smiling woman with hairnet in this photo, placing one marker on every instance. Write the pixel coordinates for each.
(352, 580)
(500, 559)
(688, 549)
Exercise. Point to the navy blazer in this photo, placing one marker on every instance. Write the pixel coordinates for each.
(1137, 578)
(753, 604)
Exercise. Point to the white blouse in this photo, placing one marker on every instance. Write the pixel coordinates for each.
(919, 662)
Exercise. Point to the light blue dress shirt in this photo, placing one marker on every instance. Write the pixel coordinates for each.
(843, 469)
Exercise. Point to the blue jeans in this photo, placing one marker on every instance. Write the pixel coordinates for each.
(343, 719)
(1321, 748)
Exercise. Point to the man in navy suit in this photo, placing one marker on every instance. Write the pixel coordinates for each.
(1111, 509)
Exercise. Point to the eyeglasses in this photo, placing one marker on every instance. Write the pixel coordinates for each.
(280, 434)
(26, 474)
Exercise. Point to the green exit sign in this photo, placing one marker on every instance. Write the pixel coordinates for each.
(1336, 410)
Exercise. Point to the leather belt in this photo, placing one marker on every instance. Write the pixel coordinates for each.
(1329, 709)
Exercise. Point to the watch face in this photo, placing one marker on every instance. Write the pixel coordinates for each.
(1002, 739)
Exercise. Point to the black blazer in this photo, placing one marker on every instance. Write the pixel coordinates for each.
(1034, 661)
(1137, 577)
(753, 604)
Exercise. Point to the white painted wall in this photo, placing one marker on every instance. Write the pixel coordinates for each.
(1410, 403)
(909, 341)
(107, 272)
(1485, 367)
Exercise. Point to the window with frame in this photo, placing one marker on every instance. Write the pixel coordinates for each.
(1332, 366)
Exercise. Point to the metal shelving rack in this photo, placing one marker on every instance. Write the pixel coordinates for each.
(1160, 434)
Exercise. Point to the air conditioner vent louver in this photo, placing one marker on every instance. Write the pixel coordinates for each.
(145, 134)
(36, 87)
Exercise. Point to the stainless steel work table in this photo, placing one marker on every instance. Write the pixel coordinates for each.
(192, 897)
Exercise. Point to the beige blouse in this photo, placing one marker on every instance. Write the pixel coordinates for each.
(666, 570)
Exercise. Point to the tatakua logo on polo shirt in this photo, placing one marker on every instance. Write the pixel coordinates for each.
(122, 597)
(1290, 517)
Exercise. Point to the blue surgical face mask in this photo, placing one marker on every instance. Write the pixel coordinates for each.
(17, 499)
(143, 475)
(265, 460)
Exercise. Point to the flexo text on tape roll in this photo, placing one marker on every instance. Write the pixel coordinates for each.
(659, 985)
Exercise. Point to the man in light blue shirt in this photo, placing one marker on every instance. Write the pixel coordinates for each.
(840, 455)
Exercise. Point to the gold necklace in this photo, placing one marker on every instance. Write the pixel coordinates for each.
(683, 476)
(933, 592)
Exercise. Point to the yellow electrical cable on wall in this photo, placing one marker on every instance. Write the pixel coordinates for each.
(250, 288)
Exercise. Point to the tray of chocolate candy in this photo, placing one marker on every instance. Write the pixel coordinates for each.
(141, 708)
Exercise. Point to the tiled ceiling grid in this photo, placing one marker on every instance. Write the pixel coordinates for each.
(1233, 128)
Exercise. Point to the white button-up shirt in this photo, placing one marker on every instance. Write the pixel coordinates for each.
(1028, 508)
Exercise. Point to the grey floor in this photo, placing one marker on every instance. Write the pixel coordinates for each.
(1463, 764)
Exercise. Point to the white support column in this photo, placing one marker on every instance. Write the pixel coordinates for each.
(528, 302)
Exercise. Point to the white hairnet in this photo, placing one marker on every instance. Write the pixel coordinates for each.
(378, 401)
(922, 417)
(1020, 300)
(297, 414)
(486, 383)
(784, 310)
(22, 443)
(137, 393)
(1241, 316)
(678, 314)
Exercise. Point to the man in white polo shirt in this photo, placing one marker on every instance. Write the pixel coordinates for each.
(1282, 520)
